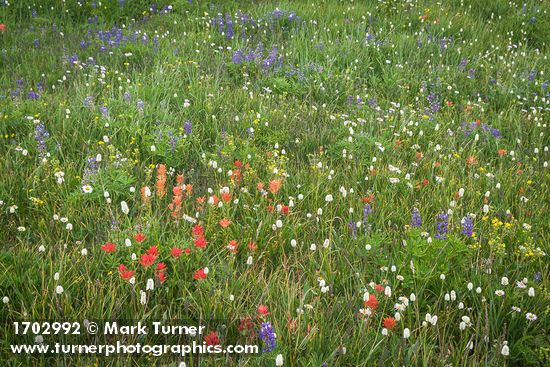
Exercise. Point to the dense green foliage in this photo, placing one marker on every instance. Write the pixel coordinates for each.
(350, 164)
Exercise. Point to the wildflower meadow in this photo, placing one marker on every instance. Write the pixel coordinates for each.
(332, 183)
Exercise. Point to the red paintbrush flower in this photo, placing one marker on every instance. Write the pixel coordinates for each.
(153, 251)
(212, 339)
(147, 260)
(161, 276)
(200, 274)
(198, 230)
(125, 273)
(201, 242)
(275, 186)
(226, 197)
(263, 310)
(176, 252)
(379, 288)
(108, 247)
(225, 222)
(389, 323)
(372, 302)
(140, 237)
(232, 246)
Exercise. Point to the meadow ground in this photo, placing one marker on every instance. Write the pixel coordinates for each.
(341, 183)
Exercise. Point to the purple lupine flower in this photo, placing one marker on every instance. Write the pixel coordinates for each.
(88, 101)
(442, 225)
(32, 95)
(293, 17)
(127, 97)
(250, 56)
(352, 228)
(271, 61)
(259, 49)
(468, 128)
(434, 102)
(416, 220)
(166, 9)
(188, 127)
(430, 35)
(140, 105)
(238, 57)
(267, 335)
(532, 75)
(366, 211)
(36, 43)
(444, 43)
(462, 65)
(468, 225)
(537, 277)
(40, 135)
(277, 13)
(242, 17)
(90, 169)
(219, 21)
(104, 111)
(472, 73)
(228, 27)
(173, 142)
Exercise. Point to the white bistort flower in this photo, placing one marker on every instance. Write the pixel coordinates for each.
(124, 207)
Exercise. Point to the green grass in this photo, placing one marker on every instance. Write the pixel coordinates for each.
(362, 93)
